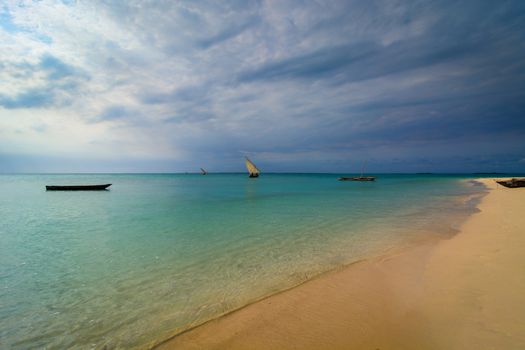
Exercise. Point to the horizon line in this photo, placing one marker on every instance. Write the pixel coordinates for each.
(243, 172)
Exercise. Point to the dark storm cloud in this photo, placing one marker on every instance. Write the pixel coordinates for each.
(308, 85)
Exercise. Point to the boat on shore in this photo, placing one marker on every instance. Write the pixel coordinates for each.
(512, 183)
(78, 188)
(252, 168)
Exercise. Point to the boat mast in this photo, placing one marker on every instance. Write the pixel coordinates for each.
(363, 168)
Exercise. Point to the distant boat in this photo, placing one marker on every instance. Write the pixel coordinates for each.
(358, 178)
(78, 188)
(204, 172)
(252, 169)
(512, 183)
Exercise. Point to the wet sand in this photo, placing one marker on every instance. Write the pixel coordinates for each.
(466, 292)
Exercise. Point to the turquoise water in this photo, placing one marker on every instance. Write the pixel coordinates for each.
(159, 253)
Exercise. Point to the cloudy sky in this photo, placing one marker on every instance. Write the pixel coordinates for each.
(169, 86)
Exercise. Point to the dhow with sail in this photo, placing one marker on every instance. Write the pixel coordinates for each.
(252, 169)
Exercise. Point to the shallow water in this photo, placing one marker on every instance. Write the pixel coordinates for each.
(159, 253)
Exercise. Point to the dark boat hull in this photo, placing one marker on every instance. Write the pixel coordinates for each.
(253, 175)
(512, 183)
(360, 178)
(78, 188)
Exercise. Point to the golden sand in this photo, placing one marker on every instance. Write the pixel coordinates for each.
(467, 292)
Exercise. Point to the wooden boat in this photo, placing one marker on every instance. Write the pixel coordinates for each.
(78, 188)
(204, 172)
(358, 178)
(252, 169)
(512, 183)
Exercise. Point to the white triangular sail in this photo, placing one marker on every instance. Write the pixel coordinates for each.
(252, 169)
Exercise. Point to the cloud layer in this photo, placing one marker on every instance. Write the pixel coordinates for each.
(299, 86)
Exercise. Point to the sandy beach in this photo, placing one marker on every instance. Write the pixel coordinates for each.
(466, 292)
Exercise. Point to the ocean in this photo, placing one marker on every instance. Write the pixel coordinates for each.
(160, 253)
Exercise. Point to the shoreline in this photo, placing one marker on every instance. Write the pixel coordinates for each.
(372, 303)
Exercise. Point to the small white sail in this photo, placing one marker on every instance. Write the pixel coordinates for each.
(252, 169)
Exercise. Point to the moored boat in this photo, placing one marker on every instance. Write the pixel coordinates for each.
(357, 178)
(512, 183)
(78, 188)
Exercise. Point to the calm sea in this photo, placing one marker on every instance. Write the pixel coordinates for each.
(157, 254)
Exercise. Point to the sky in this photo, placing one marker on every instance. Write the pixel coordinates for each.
(298, 86)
